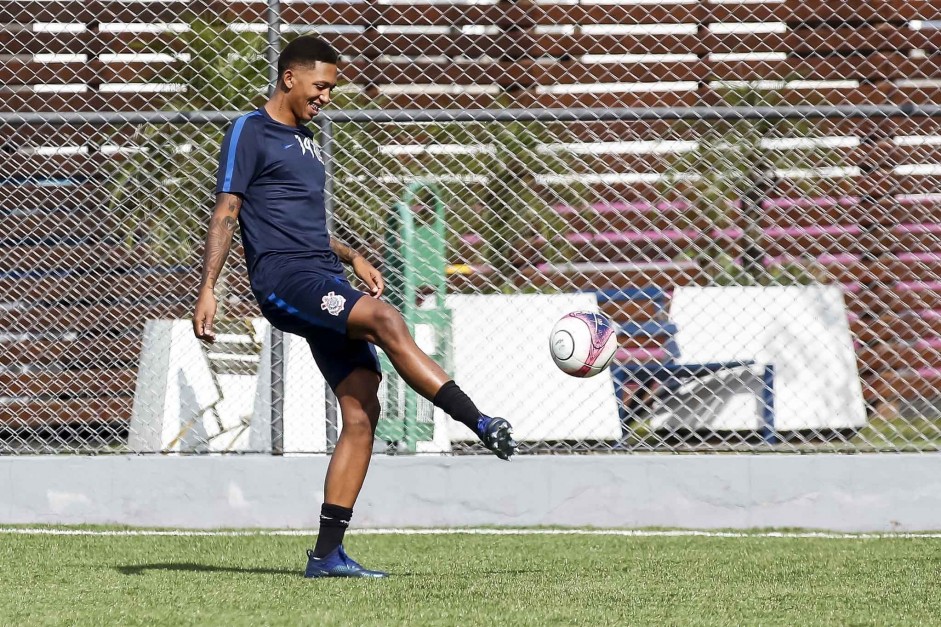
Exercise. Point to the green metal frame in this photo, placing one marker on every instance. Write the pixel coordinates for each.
(415, 269)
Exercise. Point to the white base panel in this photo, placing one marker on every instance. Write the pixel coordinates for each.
(833, 492)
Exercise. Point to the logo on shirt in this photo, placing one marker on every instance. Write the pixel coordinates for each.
(308, 146)
(333, 303)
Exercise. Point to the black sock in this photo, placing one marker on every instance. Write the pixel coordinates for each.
(457, 404)
(333, 523)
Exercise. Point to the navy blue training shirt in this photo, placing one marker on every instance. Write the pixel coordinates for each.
(279, 173)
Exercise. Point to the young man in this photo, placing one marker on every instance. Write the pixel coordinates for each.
(271, 184)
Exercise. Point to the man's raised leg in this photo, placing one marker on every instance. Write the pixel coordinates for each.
(379, 323)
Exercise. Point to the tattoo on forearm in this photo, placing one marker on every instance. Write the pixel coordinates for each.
(344, 252)
(218, 242)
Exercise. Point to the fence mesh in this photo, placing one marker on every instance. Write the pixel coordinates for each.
(774, 280)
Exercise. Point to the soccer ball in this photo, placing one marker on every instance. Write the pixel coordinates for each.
(583, 343)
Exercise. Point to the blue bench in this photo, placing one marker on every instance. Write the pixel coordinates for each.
(670, 373)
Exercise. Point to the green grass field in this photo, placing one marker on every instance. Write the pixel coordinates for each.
(472, 579)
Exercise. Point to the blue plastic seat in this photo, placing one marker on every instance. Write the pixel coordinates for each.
(664, 377)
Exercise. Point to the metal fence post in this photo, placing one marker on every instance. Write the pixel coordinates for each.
(273, 15)
(272, 51)
(326, 151)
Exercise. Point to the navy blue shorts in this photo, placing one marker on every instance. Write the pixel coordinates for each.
(316, 306)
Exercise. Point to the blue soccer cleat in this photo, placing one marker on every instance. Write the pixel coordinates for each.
(337, 564)
(497, 435)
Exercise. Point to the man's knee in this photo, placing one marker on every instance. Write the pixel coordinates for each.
(388, 325)
(359, 424)
(371, 410)
(376, 322)
(362, 419)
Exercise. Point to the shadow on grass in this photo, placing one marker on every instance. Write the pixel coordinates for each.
(299, 572)
(204, 568)
(465, 574)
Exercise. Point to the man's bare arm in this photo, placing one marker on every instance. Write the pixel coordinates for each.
(222, 227)
(346, 254)
(361, 267)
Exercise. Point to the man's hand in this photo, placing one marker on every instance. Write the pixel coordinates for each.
(204, 315)
(363, 269)
(369, 275)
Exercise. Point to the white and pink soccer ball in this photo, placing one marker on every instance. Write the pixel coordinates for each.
(583, 343)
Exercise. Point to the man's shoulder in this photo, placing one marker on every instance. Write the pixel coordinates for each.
(245, 130)
(251, 120)
(254, 118)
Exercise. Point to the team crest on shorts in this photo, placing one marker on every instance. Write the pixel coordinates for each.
(333, 303)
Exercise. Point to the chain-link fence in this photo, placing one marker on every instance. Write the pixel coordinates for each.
(748, 190)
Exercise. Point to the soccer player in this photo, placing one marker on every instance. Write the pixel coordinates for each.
(271, 184)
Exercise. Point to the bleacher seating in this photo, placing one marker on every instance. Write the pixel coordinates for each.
(893, 298)
(74, 298)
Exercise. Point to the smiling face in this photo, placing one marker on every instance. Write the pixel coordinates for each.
(308, 88)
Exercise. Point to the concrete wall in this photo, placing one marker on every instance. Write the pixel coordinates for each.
(848, 493)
